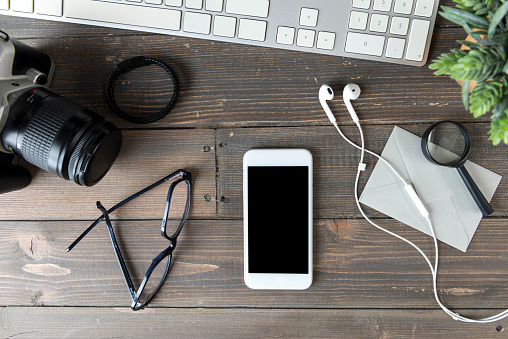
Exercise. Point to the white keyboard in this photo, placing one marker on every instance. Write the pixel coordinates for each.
(396, 31)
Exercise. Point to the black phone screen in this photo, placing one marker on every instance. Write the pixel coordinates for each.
(278, 225)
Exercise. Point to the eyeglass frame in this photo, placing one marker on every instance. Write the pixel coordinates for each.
(185, 176)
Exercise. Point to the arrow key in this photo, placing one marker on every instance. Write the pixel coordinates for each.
(326, 40)
(305, 38)
(285, 35)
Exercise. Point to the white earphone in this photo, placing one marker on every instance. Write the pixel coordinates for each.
(352, 92)
(326, 94)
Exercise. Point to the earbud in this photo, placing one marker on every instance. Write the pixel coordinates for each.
(326, 94)
(351, 92)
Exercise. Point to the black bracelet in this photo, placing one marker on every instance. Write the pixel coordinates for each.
(127, 66)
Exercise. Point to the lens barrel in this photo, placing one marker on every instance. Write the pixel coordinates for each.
(61, 137)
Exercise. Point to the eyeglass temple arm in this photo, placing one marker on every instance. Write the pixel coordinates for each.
(118, 254)
(135, 195)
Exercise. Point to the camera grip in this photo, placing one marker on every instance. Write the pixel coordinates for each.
(12, 177)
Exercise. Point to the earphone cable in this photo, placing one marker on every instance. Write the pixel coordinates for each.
(433, 269)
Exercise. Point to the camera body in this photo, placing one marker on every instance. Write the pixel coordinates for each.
(47, 130)
(21, 68)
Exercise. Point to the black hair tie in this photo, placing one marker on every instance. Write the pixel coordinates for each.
(127, 66)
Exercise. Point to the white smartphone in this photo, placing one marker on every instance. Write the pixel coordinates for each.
(277, 214)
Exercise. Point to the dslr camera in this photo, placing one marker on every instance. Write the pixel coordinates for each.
(47, 130)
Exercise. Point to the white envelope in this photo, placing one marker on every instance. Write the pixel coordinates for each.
(453, 212)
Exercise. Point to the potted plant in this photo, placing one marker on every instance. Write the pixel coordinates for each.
(483, 61)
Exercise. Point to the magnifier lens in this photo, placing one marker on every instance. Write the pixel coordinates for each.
(446, 143)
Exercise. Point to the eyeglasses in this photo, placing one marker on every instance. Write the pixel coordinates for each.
(175, 214)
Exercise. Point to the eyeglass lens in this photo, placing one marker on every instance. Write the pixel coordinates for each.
(177, 208)
(155, 280)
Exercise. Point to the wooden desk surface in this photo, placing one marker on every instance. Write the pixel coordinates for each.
(235, 98)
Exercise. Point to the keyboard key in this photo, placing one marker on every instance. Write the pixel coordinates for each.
(395, 48)
(285, 35)
(175, 3)
(25, 6)
(403, 6)
(364, 44)
(48, 7)
(154, 2)
(424, 8)
(248, 7)
(358, 20)
(139, 1)
(308, 17)
(4, 4)
(382, 5)
(214, 5)
(417, 40)
(326, 40)
(194, 4)
(305, 38)
(378, 23)
(154, 17)
(224, 26)
(363, 4)
(399, 25)
(197, 23)
(252, 29)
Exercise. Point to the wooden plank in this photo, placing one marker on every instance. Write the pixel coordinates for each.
(335, 162)
(146, 156)
(22, 322)
(36, 28)
(225, 85)
(355, 266)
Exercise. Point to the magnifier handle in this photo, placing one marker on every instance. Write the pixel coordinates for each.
(477, 195)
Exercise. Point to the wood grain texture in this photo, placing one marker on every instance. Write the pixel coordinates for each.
(234, 98)
(355, 266)
(335, 163)
(231, 85)
(146, 156)
(22, 322)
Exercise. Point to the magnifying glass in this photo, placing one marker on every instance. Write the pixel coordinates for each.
(448, 143)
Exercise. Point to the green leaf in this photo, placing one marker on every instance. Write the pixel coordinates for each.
(499, 127)
(476, 33)
(445, 61)
(498, 111)
(462, 18)
(465, 93)
(496, 19)
(500, 39)
(484, 96)
(479, 64)
(469, 44)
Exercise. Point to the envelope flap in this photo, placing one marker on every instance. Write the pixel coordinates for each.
(382, 175)
(451, 207)
(432, 182)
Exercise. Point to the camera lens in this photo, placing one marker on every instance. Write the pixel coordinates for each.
(61, 137)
